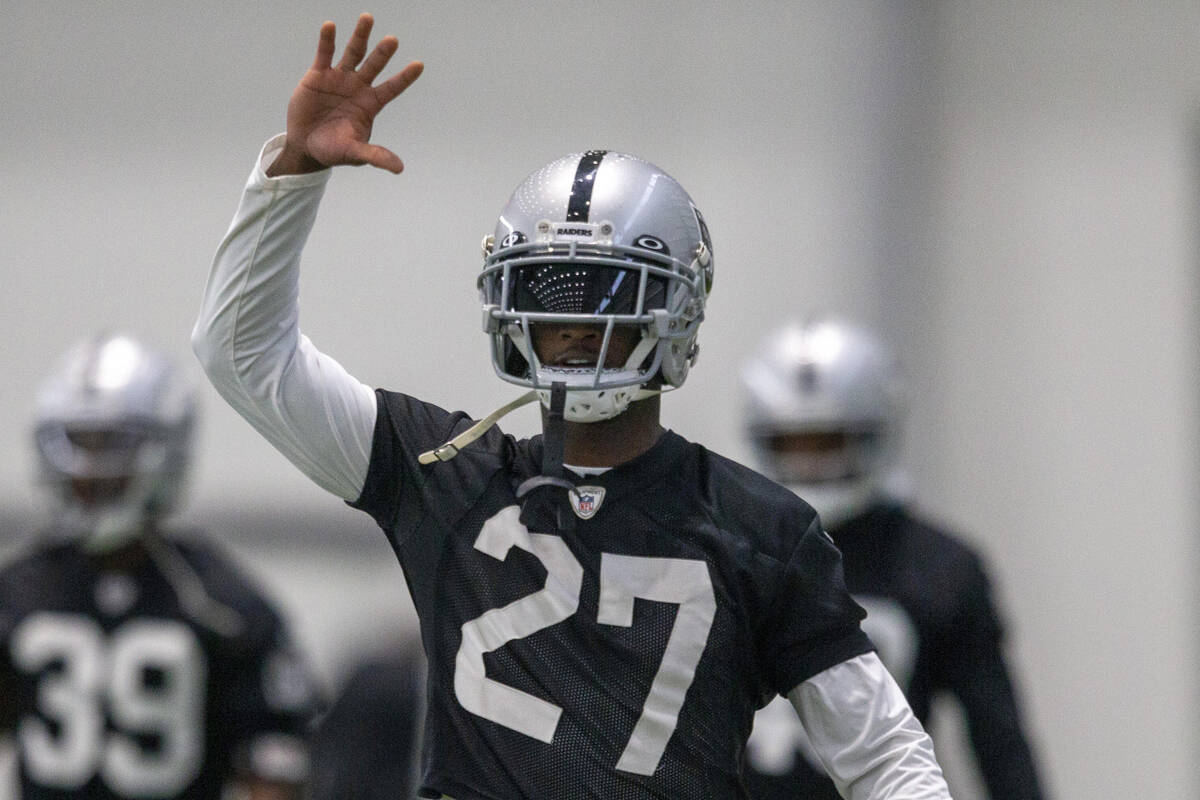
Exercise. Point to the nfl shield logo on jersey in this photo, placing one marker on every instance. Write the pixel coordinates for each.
(586, 500)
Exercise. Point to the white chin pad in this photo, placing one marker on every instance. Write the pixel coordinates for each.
(101, 530)
(593, 405)
(587, 404)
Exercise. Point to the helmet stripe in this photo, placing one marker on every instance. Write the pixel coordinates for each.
(580, 202)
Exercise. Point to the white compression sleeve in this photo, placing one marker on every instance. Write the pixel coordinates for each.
(247, 336)
(865, 734)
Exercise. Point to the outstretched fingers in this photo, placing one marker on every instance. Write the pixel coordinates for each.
(387, 91)
(356, 47)
(325, 47)
(332, 109)
(378, 59)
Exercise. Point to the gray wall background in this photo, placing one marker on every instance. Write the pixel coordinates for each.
(1007, 190)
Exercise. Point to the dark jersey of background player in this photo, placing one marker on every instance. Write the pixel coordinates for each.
(365, 746)
(932, 617)
(154, 671)
(824, 402)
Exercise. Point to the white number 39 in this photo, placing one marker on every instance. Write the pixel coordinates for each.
(102, 673)
(622, 578)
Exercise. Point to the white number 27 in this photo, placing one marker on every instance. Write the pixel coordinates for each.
(622, 578)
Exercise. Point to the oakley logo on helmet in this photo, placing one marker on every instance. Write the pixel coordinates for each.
(512, 240)
(648, 242)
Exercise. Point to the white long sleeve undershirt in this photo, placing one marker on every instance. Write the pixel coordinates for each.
(248, 338)
(865, 735)
(322, 419)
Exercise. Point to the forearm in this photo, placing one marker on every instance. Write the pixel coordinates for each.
(247, 337)
(865, 734)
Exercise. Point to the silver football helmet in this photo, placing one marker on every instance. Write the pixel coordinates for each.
(113, 433)
(597, 238)
(823, 408)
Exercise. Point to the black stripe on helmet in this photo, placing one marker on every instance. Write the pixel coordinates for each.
(580, 202)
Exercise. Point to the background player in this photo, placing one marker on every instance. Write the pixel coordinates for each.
(367, 743)
(133, 665)
(602, 607)
(823, 408)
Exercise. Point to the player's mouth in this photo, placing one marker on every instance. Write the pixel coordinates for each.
(575, 358)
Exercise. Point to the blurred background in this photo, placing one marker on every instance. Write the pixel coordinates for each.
(1008, 191)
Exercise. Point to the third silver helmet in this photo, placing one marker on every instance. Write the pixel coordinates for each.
(822, 411)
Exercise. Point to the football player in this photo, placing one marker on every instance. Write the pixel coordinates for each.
(823, 407)
(602, 606)
(133, 665)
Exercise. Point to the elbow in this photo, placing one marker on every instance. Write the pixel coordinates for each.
(215, 359)
(247, 377)
(203, 345)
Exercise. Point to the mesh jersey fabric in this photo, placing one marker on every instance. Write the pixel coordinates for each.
(780, 613)
(143, 673)
(945, 636)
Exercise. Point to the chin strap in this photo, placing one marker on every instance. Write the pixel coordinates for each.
(553, 440)
(451, 448)
(553, 436)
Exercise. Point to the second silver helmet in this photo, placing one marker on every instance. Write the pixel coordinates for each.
(113, 431)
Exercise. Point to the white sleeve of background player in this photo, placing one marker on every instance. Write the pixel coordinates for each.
(248, 337)
(865, 734)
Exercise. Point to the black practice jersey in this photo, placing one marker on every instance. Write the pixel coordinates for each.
(619, 657)
(142, 684)
(931, 615)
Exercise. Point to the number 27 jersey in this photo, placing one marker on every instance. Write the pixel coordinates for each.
(621, 656)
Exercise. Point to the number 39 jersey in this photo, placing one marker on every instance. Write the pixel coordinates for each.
(622, 656)
(116, 687)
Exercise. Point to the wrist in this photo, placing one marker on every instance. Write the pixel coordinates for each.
(293, 162)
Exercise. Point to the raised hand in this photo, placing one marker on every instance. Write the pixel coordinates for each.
(331, 112)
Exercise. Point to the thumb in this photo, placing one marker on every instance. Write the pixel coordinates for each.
(376, 156)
